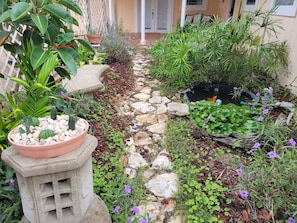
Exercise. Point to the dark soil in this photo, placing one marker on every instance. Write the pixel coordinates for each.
(118, 87)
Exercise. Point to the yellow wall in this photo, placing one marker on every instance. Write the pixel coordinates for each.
(124, 14)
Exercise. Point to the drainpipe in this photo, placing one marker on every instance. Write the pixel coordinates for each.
(110, 7)
(142, 39)
(183, 13)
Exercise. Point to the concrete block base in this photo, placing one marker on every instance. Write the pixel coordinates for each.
(97, 213)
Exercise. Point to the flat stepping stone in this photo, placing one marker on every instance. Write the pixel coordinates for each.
(86, 80)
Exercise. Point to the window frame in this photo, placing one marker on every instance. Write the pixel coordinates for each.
(249, 8)
(285, 10)
(202, 7)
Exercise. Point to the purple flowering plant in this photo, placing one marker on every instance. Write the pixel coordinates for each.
(115, 45)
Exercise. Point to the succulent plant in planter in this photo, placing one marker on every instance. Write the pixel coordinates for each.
(46, 47)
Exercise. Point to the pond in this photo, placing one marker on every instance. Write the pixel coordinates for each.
(212, 92)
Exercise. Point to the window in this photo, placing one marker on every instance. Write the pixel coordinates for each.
(197, 4)
(250, 5)
(285, 7)
(194, 2)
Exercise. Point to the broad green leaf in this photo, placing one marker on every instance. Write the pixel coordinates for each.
(65, 38)
(38, 57)
(63, 73)
(47, 68)
(58, 12)
(71, 5)
(68, 60)
(5, 16)
(20, 10)
(41, 22)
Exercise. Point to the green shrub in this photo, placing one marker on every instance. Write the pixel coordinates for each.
(221, 52)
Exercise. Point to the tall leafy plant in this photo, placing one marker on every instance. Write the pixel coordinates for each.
(46, 46)
(235, 52)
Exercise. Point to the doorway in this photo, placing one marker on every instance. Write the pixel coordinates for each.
(158, 15)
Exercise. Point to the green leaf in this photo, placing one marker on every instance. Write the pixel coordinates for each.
(38, 57)
(86, 44)
(2, 98)
(47, 68)
(58, 12)
(65, 38)
(68, 60)
(5, 16)
(3, 6)
(41, 22)
(62, 72)
(20, 10)
(71, 5)
(20, 82)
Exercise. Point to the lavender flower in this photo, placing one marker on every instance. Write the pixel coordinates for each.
(291, 220)
(11, 181)
(239, 171)
(143, 221)
(260, 119)
(272, 154)
(235, 88)
(135, 210)
(116, 209)
(251, 152)
(130, 220)
(258, 94)
(265, 111)
(256, 145)
(127, 189)
(244, 194)
(292, 142)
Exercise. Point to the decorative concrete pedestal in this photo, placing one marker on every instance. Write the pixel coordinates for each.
(60, 189)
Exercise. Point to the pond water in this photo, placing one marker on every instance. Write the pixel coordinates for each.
(212, 92)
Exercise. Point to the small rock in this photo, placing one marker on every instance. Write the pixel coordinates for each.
(142, 138)
(178, 109)
(161, 109)
(146, 119)
(142, 96)
(136, 161)
(158, 128)
(143, 107)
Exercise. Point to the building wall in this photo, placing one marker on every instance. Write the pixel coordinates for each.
(124, 14)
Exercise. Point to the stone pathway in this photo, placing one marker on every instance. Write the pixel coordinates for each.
(151, 111)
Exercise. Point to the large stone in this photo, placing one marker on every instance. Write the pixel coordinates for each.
(142, 138)
(158, 128)
(146, 119)
(178, 109)
(143, 107)
(136, 161)
(164, 185)
(142, 96)
(86, 80)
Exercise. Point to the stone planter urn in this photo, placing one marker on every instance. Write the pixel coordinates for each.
(58, 189)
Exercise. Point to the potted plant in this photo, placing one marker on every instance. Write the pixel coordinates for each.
(52, 135)
(93, 36)
(46, 46)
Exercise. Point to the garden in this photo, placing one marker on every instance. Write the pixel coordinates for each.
(251, 180)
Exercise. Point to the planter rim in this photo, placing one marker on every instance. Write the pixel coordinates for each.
(50, 150)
